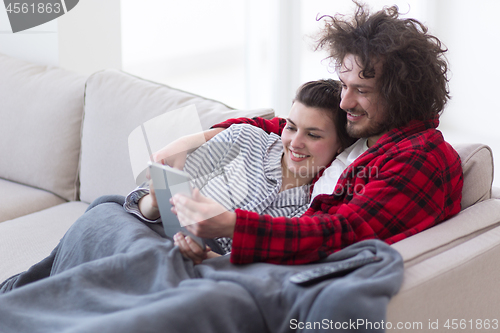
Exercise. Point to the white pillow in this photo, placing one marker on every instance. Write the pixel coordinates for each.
(41, 116)
(116, 103)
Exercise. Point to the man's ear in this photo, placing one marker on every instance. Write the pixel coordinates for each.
(340, 150)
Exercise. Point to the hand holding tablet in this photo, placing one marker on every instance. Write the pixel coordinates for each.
(168, 182)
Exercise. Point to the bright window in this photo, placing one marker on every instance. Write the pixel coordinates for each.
(194, 45)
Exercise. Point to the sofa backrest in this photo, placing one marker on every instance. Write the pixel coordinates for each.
(41, 111)
(116, 104)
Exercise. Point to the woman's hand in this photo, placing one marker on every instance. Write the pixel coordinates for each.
(170, 155)
(175, 153)
(203, 216)
(191, 250)
(148, 204)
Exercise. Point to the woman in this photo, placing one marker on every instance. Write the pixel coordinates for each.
(247, 168)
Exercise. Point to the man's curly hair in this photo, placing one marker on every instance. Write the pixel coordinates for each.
(414, 80)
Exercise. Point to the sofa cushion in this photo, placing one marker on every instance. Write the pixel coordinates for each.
(27, 240)
(116, 103)
(41, 117)
(18, 200)
(477, 165)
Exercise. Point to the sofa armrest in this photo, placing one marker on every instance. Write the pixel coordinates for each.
(458, 283)
(477, 165)
(467, 224)
(495, 192)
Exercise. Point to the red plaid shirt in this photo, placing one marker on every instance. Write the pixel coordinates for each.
(410, 180)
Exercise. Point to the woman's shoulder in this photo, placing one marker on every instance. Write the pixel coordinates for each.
(248, 132)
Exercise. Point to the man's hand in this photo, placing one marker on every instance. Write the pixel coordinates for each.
(191, 250)
(203, 216)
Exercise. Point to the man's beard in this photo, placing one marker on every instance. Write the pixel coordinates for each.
(370, 130)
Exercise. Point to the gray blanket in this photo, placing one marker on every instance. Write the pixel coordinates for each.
(113, 273)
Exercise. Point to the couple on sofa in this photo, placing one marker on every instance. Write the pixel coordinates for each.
(401, 177)
(245, 167)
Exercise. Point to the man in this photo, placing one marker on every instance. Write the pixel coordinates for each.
(404, 177)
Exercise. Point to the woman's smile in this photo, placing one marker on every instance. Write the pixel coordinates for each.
(297, 157)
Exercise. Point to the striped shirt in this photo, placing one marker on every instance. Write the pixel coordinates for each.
(239, 168)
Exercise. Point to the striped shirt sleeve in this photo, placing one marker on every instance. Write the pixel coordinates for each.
(131, 204)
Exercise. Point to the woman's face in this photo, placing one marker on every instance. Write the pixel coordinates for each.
(310, 141)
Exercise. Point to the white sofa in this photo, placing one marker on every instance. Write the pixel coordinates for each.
(64, 142)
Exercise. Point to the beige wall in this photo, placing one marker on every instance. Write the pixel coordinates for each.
(90, 37)
(86, 39)
(38, 44)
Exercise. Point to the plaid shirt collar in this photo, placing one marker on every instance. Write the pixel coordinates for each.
(390, 138)
(395, 135)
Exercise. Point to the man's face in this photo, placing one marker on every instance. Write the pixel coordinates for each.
(366, 113)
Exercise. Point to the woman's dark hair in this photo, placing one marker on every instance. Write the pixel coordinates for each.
(413, 81)
(325, 94)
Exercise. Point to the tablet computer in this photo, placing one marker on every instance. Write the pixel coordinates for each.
(168, 182)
